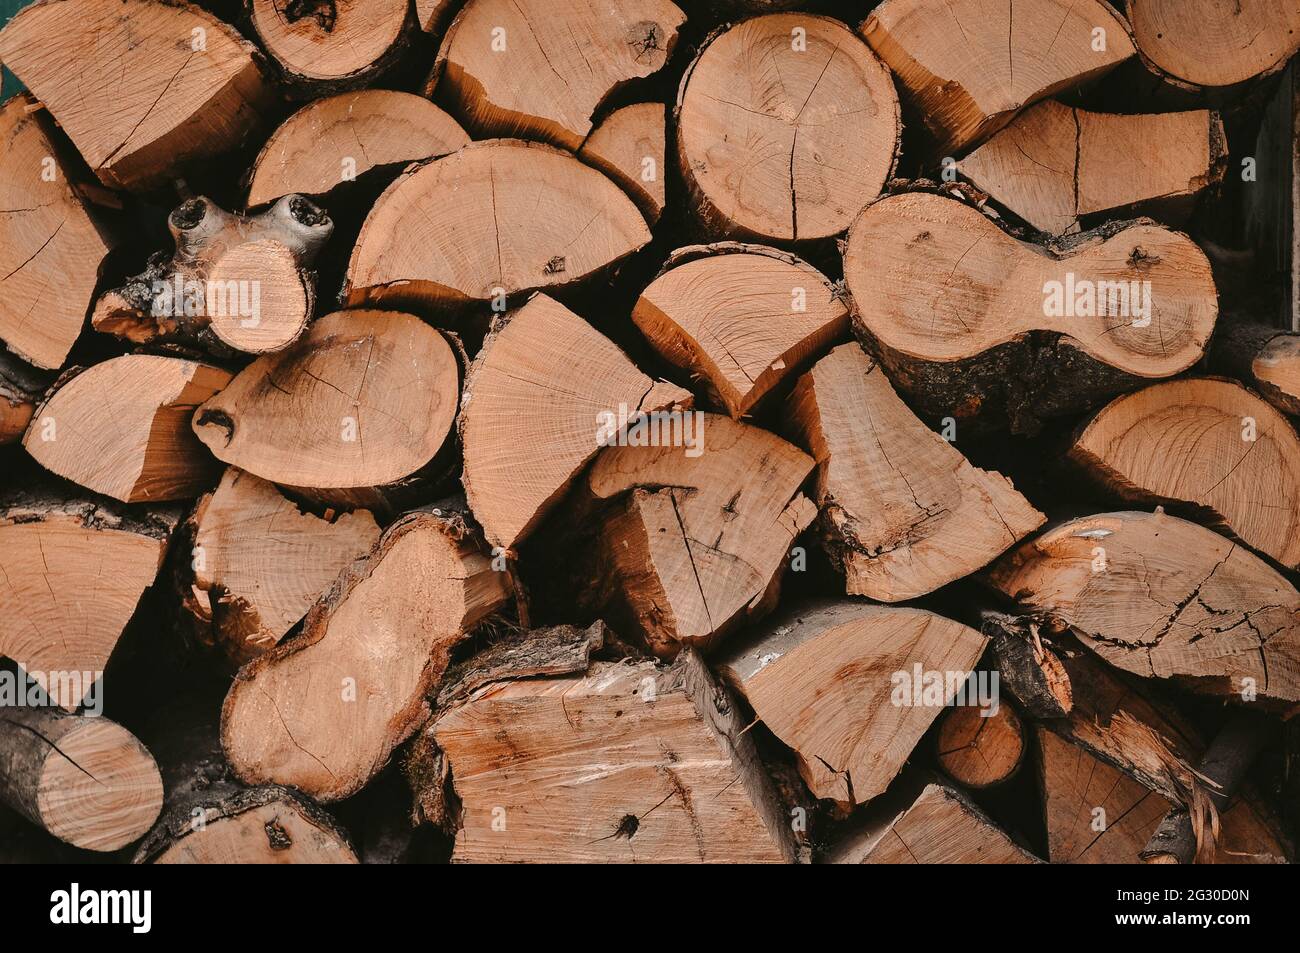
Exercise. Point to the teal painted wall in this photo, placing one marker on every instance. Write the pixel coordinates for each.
(7, 9)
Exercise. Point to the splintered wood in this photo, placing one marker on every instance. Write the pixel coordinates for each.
(663, 431)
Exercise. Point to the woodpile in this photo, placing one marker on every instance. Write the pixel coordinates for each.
(712, 431)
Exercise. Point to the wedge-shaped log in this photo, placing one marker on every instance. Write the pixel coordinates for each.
(493, 219)
(340, 138)
(902, 511)
(634, 762)
(142, 86)
(628, 146)
(1266, 358)
(361, 402)
(323, 711)
(86, 780)
(1162, 597)
(786, 126)
(968, 66)
(951, 302)
(740, 318)
(331, 44)
(121, 428)
(574, 53)
(543, 360)
(940, 825)
(825, 678)
(71, 575)
(1204, 45)
(238, 282)
(1054, 164)
(699, 533)
(259, 562)
(1207, 442)
(49, 237)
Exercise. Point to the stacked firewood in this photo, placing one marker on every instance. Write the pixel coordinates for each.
(548, 430)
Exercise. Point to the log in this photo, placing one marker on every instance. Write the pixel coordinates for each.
(1029, 670)
(1054, 164)
(340, 138)
(156, 84)
(1207, 442)
(48, 234)
(902, 511)
(1096, 814)
(497, 218)
(981, 749)
(640, 763)
(121, 428)
(957, 62)
(331, 45)
(1203, 46)
(1164, 598)
(234, 282)
(741, 318)
(210, 818)
(1266, 358)
(542, 358)
(434, 15)
(698, 532)
(323, 711)
(361, 402)
(939, 825)
(85, 779)
(73, 572)
(969, 320)
(258, 562)
(21, 388)
(828, 678)
(787, 125)
(628, 146)
(575, 53)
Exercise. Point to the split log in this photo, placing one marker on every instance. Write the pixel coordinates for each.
(1030, 671)
(209, 818)
(700, 527)
(832, 680)
(575, 54)
(1183, 835)
(786, 126)
(1053, 164)
(686, 784)
(340, 138)
(1096, 814)
(542, 359)
(981, 748)
(1165, 598)
(967, 319)
(1206, 442)
(940, 825)
(434, 15)
(360, 403)
(968, 66)
(496, 218)
(121, 428)
(73, 572)
(21, 388)
(1266, 358)
(323, 711)
(239, 283)
(902, 512)
(49, 236)
(331, 45)
(85, 779)
(740, 318)
(1203, 45)
(628, 146)
(259, 563)
(154, 86)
